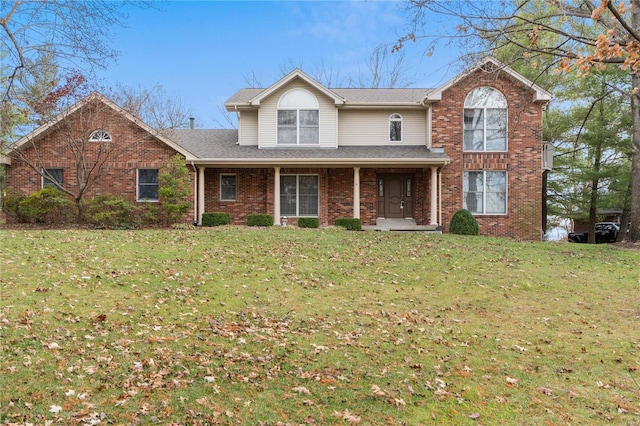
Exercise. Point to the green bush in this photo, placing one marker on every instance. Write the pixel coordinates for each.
(308, 222)
(174, 189)
(112, 211)
(49, 206)
(259, 220)
(215, 219)
(11, 204)
(463, 223)
(349, 223)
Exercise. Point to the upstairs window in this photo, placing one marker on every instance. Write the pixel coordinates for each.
(298, 118)
(485, 120)
(395, 128)
(52, 178)
(100, 136)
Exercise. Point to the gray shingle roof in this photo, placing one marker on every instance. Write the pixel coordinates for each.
(221, 146)
(353, 96)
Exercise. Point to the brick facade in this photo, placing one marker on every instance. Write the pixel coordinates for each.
(131, 148)
(522, 161)
(134, 146)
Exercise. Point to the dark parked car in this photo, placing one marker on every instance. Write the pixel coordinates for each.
(606, 232)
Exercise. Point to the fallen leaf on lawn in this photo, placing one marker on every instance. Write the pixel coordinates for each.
(545, 391)
(474, 416)
(377, 391)
(301, 390)
(55, 409)
(346, 415)
(511, 381)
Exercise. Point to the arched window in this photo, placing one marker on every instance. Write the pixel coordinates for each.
(298, 118)
(395, 128)
(100, 136)
(485, 120)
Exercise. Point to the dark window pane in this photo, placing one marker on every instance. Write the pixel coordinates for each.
(228, 187)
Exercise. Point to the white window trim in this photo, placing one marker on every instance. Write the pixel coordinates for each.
(484, 192)
(298, 194)
(392, 119)
(484, 124)
(297, 109)
(235, 198)
(145, 200)
(104, 136)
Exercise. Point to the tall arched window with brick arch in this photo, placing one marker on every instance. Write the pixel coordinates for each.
(485, 120)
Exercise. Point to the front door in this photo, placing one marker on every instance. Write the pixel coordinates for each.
(395, 196)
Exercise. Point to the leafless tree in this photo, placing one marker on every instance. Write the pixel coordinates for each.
(154, 106)
(80, 142)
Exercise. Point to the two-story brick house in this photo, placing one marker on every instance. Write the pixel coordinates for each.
(395, 158)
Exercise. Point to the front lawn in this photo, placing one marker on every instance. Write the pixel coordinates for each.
(250, 326)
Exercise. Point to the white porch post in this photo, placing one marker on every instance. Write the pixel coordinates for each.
(356, 192)
(276, 196)
(200, 193)
(434, 195)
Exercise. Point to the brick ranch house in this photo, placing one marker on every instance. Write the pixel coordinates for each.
(395, 158)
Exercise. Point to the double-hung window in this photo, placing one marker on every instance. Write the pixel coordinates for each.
(228, 189)
(299, 195)
(298, 118)
(485, 120)
(52, 178)
(147, 185)
(485, 192)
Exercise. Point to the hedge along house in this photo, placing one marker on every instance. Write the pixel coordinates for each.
(395, 158)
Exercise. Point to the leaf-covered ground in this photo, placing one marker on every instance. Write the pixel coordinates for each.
(290, 326)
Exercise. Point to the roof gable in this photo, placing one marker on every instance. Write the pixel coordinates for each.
(539, 95)
(295, 74)
(95, 96)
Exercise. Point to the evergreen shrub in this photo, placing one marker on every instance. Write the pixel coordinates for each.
(259, 220)
(308, 222)
(463, 223)
(349, 223)
(215, 219)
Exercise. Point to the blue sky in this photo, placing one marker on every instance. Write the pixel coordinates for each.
(204, 51)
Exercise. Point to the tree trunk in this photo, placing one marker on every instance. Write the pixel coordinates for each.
(634, 231)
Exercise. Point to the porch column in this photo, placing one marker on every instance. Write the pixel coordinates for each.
(201, 170)
(356, 192)
(434, 195)
(276, 196)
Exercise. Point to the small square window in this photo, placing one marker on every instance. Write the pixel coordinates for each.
(228, 188)
(52, 176)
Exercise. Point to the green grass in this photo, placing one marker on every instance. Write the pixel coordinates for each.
(237, 325)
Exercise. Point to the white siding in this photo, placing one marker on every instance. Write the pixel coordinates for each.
(372, 127)
(268, 119)
(248, 128)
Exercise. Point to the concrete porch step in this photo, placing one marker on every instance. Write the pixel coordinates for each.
(383, 224)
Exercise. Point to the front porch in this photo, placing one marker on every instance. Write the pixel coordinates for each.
(383, 224)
